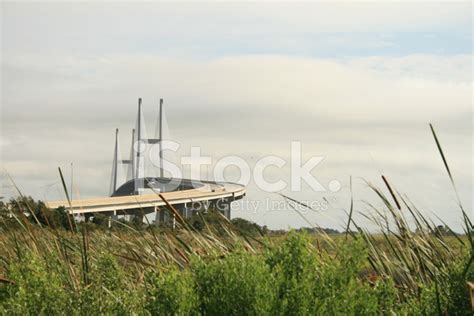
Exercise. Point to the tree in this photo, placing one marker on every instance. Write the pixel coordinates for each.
(38, 212)
(248, 227)
(100, 220)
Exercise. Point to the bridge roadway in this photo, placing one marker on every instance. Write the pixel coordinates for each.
(210, 192)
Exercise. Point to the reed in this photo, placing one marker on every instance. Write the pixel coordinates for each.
(409, 267)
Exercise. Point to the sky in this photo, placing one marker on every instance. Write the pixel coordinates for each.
(356, 83)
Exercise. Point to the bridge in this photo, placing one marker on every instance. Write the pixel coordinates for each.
(187, 202)
(142, 195)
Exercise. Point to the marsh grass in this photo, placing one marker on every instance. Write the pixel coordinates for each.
(409, 267)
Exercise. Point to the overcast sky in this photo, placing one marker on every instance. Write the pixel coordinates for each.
(357, 83)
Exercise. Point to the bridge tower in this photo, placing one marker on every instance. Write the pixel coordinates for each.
(136, 161)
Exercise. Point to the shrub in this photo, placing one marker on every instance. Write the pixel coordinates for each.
(448, 296)
(293, 266)
(170, 292)
(322, 284)
(37, 290)
(101, 220)
(107, 290)
(238, 284)
(248, 227)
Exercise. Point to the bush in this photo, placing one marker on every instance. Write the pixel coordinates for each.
(293, 266)
(319, 284)
(37, 290)
(239, 284)
(187, 273)
(339, 289)
(107, 291)
(248, 227)
(170, 292)
(101, 220)
(448, 297)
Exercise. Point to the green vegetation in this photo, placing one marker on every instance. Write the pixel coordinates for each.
(223, 269)
(212, 266)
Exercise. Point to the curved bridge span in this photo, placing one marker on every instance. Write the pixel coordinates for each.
(144, 195)
(186, 199)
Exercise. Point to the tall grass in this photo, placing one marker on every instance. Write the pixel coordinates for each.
(411, 267)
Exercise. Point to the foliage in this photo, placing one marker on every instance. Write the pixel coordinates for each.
(170, 292)
(249, 228)
(203, 220)
(106, 290)
(213, 267)
(294, 267)
(37, 289)
(36, 212)
(239, 284)
(52, 272)
(46, 269)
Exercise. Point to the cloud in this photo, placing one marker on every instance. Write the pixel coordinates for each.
(357, 83)
(213, 30)
(377, 89)
(365, 115)
(420, 67)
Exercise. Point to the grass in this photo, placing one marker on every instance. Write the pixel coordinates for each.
(222, 270)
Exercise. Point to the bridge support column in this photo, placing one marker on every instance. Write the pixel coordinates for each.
(159, 215)
(224, 207)
(112, 218)
(157, 219)
(186, 211)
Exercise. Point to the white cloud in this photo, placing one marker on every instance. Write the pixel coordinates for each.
(236, 84)
(364, 115)
(212, 28)
(420, 67)
(412, 88)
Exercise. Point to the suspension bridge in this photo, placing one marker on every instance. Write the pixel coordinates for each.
(141, 195)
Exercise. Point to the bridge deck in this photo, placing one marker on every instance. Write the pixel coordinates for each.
(209, 192)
